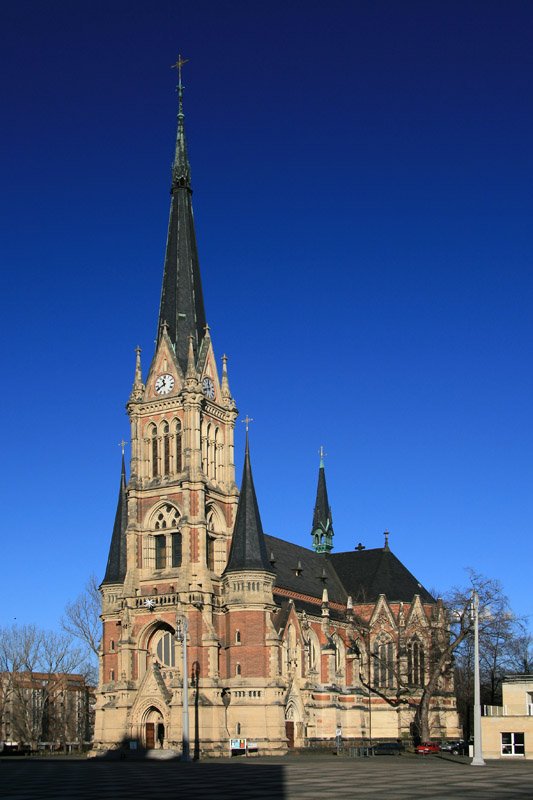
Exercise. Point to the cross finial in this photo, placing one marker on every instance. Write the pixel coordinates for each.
(386, 535)
(178, 65)
(322, 453)
(122, 445)
(207, 330)
(247, 421)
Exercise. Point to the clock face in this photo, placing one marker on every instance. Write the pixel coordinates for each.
(208, 388)
(164, 384)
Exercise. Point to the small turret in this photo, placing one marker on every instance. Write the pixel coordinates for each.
(322, 530)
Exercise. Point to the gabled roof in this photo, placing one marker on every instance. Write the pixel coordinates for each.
(116, 562)
(365, 574)
(182, 304)
(290, 559)
(248, 549)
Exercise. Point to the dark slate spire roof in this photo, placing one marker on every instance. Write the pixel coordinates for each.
(248, 548)
(116, 562)
(322, 531)
(365, 574)
(182, 304)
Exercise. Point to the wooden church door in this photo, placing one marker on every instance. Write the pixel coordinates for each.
(289, 732)
(150, 735)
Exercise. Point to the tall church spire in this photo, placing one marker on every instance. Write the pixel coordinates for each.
(322, 532)
(182, 304)
(116, 562)
(248, 548)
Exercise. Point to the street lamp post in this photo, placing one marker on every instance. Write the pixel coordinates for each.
(182, 627)
(477, 760)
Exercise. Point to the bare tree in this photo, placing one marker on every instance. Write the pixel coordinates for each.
(33, 664)
(82, 616)
(497, 624)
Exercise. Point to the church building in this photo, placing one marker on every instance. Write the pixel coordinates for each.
(286, 646)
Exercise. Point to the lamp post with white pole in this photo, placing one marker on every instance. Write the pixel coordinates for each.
(182, 627)
(477, 760)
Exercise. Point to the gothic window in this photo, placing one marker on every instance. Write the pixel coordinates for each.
(178, 446)
(176, 549)
(208, 450)
(383, 662)
(312, 658)
(237, 637)
(237, 669)
(160, 552)
(415, 662)
(166, 649)
(210, 551)
(215, 453)
(166, 449)
(167, 517)
(339, 655)
(153, 445)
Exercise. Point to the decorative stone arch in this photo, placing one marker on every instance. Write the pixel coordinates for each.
(294, 719)
(147, 644)
(153, 724)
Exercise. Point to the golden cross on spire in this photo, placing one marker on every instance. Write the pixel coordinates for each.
(122, 444)
(247, 421)
(178, 65)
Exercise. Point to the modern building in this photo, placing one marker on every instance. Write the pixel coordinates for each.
(287, 646)
(507, 730)
(41, 710)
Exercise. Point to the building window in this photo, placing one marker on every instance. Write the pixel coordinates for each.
(210, 551)
(160, 552)
(166, 449)
(155, 466)
(513, 744)
(111, 674)
(415, 662)
(166, 650)
(237, 637)
(383, 664)
(112, 645)
(178, 443)
(238, 729)
(237, 669)
(176, 549)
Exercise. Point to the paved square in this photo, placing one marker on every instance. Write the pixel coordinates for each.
(292, 778)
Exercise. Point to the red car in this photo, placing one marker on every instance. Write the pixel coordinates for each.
(427, 747)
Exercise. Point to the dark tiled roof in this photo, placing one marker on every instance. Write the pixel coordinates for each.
(248, 550)
(182, 305)
(289, 556)
(116, 562)
(365, 574)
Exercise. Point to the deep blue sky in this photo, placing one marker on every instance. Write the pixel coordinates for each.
(362, 178)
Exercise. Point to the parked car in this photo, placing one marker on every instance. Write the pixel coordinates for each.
(425, 748)
(457, 748)
(388, 749)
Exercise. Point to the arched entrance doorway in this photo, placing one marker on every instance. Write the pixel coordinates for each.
(154, 729)
(293, 724)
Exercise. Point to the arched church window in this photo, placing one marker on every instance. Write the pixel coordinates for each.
(415, 662)
(178, 446)
(167, 517)
(210, 551)
(154, 459)
(383, 658)
(216, 439)
(166, 449)
(165, 649)
(176, 549)
(237, 669)
(339, 655)
(312, 658)
(237, 637)
(160, 552)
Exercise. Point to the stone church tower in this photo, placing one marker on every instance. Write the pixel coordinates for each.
(285, 644)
